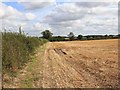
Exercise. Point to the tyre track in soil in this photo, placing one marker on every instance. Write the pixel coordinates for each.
(69, 73)
(68, 70)
(88, 81)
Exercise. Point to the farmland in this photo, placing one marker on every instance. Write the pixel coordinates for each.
(60, 44)
(72, 64)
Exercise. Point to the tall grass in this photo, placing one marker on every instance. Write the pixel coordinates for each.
(16, 50)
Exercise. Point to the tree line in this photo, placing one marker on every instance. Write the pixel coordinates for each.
(71, 37)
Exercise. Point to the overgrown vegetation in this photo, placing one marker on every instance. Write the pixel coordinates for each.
(16, 50)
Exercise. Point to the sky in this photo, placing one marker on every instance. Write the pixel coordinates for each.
(60, 17)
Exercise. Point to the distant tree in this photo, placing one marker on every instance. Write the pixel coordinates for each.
(71, 36)
(87, 36)
(111, 36)
(118, 35)
(47, 34)
(79, 37)
(106, 35)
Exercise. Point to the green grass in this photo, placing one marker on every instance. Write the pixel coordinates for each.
(27, 83)
(33, 75)
(33, 59)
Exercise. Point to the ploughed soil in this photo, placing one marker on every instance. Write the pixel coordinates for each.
(72, 64)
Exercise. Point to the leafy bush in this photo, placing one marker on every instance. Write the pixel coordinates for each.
(16, 50)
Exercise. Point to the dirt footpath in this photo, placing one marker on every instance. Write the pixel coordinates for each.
(77, 64)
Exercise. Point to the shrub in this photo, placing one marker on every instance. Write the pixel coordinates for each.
(16, 50)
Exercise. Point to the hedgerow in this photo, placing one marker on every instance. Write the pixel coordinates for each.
(16, 50)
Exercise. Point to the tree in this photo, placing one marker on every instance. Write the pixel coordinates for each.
(47, 34)
(71, 36)
(119, 35)
(111, 36)
(79, 37)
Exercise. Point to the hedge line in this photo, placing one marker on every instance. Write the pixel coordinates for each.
(16, 50)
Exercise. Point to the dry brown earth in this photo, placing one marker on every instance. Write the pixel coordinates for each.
(74, 64)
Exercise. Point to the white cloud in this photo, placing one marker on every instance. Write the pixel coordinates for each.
(2, 13)
(62, 0)
(79, 18)
(86, 18)
(41, 27)
(30, 16)
(91, 4)
(38, 4)
(38, 26)
(65, 12)
(7, 11)
(36, 0)
(91, 1)
(11, 18)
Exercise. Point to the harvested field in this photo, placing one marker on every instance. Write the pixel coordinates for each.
(77, 64)
(81, 64)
